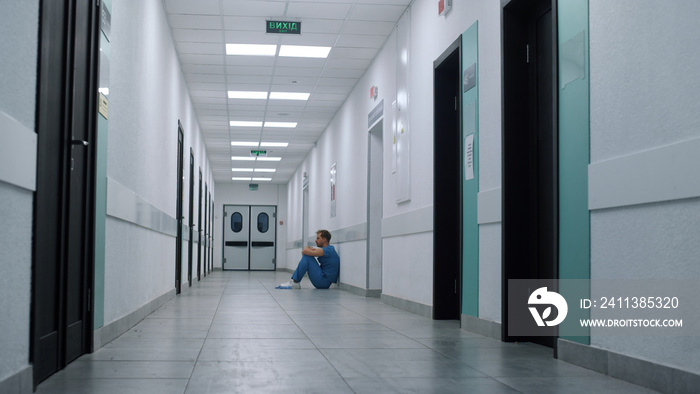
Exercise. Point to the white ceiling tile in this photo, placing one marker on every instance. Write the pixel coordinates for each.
(373, 12)
(213, 78)
(250, 37)
(317, 10)
(195, 22)
(313, 39)
(192, 58)
(253, 8)
(361, 41)
(382, 28)
(198, 7)
(324, 26)
(241, 23)
(202, 69)
(356, 64)
(353, 53)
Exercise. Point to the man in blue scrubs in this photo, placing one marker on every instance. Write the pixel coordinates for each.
(322, 272)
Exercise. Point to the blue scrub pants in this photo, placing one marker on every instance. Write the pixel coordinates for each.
(310, 265)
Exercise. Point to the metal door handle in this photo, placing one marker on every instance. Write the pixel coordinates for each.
(79, 142)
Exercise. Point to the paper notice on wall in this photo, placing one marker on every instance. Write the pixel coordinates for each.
(469, 157)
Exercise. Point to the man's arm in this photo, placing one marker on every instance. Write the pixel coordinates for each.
(315, 252)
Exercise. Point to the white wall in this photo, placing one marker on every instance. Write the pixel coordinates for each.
(240, 194)
(644, 84)
(19, 32)
(148, 95)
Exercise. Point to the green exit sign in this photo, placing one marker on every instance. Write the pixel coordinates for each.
(258, 153)
(282, 27)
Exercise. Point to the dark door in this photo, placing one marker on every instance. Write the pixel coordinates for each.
(64, 201)
(447, 188)
(199, 229)
(211, 232)
(180, 202)
(191, 212)
(206, 229)
(530, 171)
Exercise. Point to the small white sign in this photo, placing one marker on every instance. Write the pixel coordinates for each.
(469, 157)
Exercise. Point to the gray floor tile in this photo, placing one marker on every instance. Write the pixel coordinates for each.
(112, 386)
(429, 385)
(574, 385)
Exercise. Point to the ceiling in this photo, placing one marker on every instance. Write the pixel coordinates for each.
(355, 29)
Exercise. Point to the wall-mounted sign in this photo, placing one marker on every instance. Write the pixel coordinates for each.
(469, 78)
(334, 171)
(375, 114)
(444, 7)
(373, 92)
(283, 27)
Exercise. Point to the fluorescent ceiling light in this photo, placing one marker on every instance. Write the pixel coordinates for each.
(242, 169)
(261, 158)
(304, 51)
(274, 144)
(251, 49)
(281, 124)
(245, 123)
(288, 96)
(246, 158)
(237, 94)
(243, 143)
(262, 179)
(237, 178)
(265, 170)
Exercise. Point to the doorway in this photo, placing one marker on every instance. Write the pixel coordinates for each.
(250, 234)
(179, 214)
(375, 205)
(190, 246)
(199, 229)
(206, 229)
(530, 149)
(447, 188)
(64, 209)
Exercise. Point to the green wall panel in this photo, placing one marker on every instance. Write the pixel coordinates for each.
(574, 147)
(470, 187)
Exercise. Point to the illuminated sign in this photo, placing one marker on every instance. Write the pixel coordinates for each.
(282, 27)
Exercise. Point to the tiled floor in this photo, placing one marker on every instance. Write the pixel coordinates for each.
(234, 333)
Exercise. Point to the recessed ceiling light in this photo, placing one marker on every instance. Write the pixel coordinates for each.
(246, 158)
(243, 143)
(238, 178)
(245, 123)
(281, 124)
(242, 169)
(304, 51)
(262, 179)
(265, 170)
(237, 94)
(275, 144)
(289, 96)
(251, 49)
(260, 158)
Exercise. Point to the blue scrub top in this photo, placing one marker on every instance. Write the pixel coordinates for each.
(330, 263)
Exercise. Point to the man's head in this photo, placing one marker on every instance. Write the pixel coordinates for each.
(323, 238)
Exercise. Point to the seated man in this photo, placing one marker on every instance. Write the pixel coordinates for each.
(322, 275)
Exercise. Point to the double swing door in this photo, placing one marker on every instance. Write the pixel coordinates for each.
(249, 237)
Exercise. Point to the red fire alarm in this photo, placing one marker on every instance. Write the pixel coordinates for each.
(373, 92)
(444, 7)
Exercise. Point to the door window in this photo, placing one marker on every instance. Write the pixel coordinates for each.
(263, 222)
(237, 222)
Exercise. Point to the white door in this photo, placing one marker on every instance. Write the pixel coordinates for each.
(236, 237)
(262, 237)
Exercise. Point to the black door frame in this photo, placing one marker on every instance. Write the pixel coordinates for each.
(206, 228)
(447, 183)
(63, 261)
(520, 59)
(190, 247)
(199, 229)
(180, 203)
